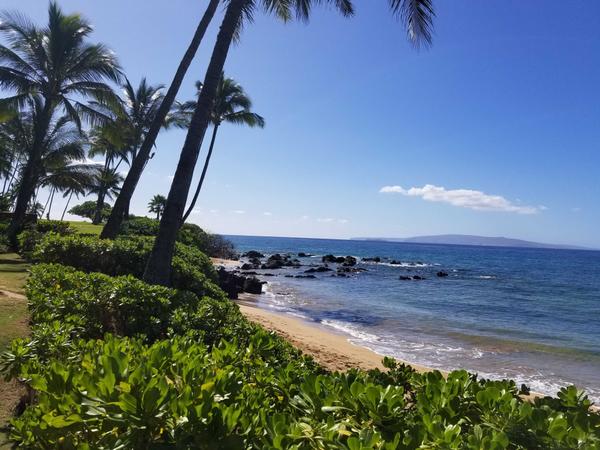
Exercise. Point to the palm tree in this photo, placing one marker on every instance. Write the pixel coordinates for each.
(58, 67)
(158, 269)
(138, 164)
(232, 105)
(132, 118)
(157, 205)
(60, 166)
(106, 186)
(417, 16)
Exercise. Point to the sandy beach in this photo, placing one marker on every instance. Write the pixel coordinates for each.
(330, 349)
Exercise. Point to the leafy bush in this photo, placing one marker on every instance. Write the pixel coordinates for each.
(66, 305)
(54, 226)
(177, 393)
(33, 234)
(192, 269)
(189, 234)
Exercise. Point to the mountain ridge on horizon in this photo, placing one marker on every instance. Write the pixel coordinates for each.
(467, 239)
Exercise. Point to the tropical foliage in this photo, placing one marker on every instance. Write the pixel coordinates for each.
(48, 72)
(157, 205)
(232, 105)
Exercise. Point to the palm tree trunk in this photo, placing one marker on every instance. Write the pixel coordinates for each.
(99, 207)
(50, 206)
(204, 169)
(111, 229)
(47, 201)
(62, 217)
(158, 269)
(30, 174)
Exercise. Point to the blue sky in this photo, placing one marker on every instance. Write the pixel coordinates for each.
(495, 130)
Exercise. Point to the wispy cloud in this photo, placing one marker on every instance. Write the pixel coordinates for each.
(238, 211)
(325, 219)
(267, 213)
(465, 198)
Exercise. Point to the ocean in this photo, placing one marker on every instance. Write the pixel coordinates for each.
(532, 315)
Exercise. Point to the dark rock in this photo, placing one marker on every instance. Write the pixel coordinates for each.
(253, 285)
(318, 269)
(349, 261)
(340, 274)
(374, 259)
(274, 262)
(289, 276)
(249, 273)
(231, 283)
(442, 274)
(304, 255)
(329, 259)
(418, 277)
(255, 262)
(268, 274)
(405, 278)
(247, 266)
(253, 254)
(305, 276)
(395, 262)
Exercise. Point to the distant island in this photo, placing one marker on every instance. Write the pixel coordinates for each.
(464, 239)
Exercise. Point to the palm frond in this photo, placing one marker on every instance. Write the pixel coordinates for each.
(417, 16)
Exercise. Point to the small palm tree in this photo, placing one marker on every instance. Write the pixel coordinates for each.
(59, 68)
(106, 185)
(232, 105)
(157, 205)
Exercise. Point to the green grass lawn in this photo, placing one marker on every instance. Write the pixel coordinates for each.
(13, 324)
(86, 227)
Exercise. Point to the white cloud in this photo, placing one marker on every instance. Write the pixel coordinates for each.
(214, 211)
(305, 217)
(238, 211)
(326, 220)
(465, 198)
(343, 220)
(267, 213)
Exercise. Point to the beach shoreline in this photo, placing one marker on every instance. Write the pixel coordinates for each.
(332, 350)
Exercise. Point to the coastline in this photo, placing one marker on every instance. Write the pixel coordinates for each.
(332, 350)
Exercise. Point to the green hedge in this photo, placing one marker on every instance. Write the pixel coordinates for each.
(189, 234)
(192, 269)
(179, 394)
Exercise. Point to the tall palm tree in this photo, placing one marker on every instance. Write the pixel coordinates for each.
(232, 105)
(158, 269)
(417, 16)
(157, 205)
(56, 65)
(61, 155)
(138, 164)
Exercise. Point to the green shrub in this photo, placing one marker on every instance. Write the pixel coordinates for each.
(190, 234)
(33, 234)
(120, 393)
(139, 226)
(192, 269)
(54, 226)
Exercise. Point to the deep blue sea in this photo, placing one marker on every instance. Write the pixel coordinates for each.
(532, 315)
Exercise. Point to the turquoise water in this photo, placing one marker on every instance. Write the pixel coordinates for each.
(528, 314)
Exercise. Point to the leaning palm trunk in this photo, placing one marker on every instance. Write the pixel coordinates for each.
(121, 207)
(50, 205)
(204, 169)
(158, 269)
(30, 174)
(62, 217)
